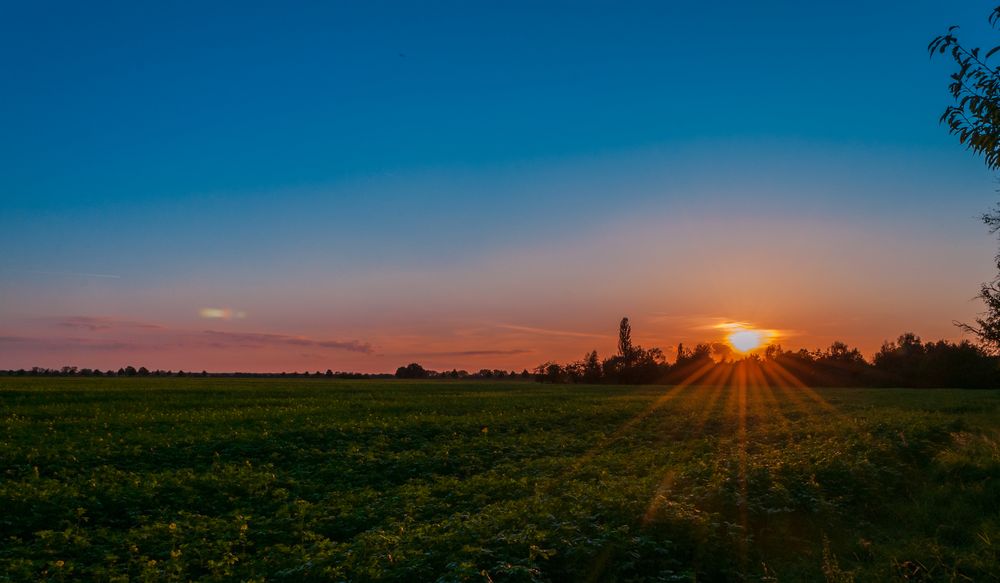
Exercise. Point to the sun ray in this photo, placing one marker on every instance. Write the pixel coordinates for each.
(665, 398)
(710, 405)
(705, 371)
(659, 495)
(809, 391)
(761, 413)
(795, 390)
(774, 407)
(660, 401)
(717, 381)
(790, 395)
(741, 437)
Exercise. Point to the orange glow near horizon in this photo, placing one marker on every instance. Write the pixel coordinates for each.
(745, 338)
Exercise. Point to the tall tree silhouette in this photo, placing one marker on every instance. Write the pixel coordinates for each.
(625, 349)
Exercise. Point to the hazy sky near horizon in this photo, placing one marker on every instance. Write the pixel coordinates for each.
(356, 186)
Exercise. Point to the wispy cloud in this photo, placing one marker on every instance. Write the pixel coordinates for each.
(63, 343)
(148, 336)
(258, 340)
(728, 326)
(95, 323)
(513, 351)
(697, 321)
(550, 332)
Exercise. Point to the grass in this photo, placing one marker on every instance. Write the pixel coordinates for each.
(289, 480)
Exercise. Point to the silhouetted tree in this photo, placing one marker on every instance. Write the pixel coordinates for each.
(841, 352)
(592, 370)
(690, 362)
(840, 365)
(908, 362)
(901, 359)
(550, 372)
(975, 87)
(573, 372)
(411, 371)
(647, 366)
(961, 365)
(722, 351)
(975, 118)
(625, 342)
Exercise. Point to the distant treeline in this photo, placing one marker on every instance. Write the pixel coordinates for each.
(907, 362)
(131, 371)
(415, 371)
(412, 371)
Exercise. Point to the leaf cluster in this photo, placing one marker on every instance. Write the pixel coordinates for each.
(975, 87)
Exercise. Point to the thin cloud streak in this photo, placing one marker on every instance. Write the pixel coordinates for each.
(126, 336)
(260, 340)
(511, 352)
(550, 332)
(96, 323)
(63, 343)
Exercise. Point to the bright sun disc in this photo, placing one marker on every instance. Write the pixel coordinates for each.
(747, 340)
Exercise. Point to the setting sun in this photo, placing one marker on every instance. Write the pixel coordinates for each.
(747, 340)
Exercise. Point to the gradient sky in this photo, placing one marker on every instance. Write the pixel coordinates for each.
(356, 186)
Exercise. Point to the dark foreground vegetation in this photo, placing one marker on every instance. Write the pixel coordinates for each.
(164, 479)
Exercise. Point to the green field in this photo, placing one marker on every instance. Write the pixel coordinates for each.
(270, 480)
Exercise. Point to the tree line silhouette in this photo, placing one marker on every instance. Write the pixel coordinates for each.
(131, 371)
(411, 371)
(905, 362)
(416, 371)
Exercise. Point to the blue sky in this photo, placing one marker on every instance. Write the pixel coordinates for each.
(251, 150)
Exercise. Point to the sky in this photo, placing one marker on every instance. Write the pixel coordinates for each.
(356, 186)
